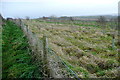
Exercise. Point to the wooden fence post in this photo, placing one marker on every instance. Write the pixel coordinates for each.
(45, 52)
(45, 47)
(113, 41)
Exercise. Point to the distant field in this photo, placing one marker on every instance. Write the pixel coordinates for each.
(88, 49)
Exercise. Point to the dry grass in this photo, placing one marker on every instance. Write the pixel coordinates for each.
(88, 49)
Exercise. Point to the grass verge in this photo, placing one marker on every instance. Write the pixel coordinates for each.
(16, 58)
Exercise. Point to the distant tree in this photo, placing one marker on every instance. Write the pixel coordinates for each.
(102, 21)
(71, 18)
(9, 18)
(53, 16)
(27, 17)
(63, 16)
(44, 17)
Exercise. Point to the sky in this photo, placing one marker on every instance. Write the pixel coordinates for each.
(39, 8)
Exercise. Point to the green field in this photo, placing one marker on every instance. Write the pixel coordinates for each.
(89, 49)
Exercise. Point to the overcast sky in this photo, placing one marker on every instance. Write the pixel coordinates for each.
(39, 8)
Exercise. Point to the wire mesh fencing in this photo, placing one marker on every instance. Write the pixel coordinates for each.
(51, 65)
(62, 68)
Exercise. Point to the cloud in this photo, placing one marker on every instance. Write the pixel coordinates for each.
(64, 1)
(20, 0)
(58, 7)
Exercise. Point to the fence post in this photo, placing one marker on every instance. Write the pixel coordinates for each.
(45, 52)
(113, 41)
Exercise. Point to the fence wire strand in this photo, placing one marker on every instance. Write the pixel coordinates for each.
(57, 67)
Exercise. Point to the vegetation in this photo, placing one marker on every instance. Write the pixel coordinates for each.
(16, 55)
(102, 21)
(87, 49)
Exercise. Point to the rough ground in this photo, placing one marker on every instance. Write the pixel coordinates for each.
(87, 49)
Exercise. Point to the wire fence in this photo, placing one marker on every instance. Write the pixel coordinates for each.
(51, 65)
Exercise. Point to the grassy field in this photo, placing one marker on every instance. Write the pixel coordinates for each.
(80, 23)
(87, 49)
(16, 55)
